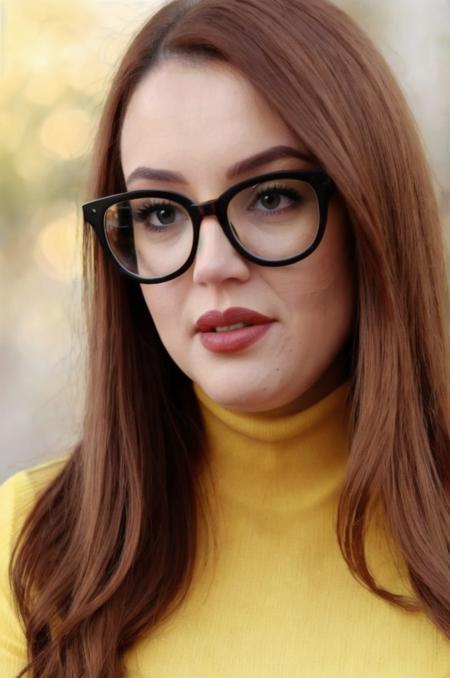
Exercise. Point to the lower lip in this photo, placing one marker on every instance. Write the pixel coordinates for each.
(233, 340)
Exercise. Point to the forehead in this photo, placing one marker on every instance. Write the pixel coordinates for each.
(184, 114)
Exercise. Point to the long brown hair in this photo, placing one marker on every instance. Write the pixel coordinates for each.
(117, 528)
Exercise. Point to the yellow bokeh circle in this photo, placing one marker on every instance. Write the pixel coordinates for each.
(66, 133)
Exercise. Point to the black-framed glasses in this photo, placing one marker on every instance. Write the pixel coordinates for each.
(273, 219)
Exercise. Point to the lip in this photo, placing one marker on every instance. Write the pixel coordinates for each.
(236, 314)
(232, 340)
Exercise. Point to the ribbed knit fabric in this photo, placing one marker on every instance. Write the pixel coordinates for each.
(277, 599)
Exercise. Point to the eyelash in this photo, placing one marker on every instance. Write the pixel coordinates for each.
(143, 212)
(279, 188)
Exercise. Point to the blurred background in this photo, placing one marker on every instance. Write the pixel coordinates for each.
(56, 62)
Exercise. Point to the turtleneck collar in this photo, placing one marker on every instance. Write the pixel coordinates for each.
(277, 464)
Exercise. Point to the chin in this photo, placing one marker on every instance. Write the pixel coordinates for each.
(240, 400)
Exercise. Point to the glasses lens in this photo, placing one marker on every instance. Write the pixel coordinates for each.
(276, 219)
(149, 236)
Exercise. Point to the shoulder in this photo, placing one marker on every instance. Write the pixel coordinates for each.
(19, 493)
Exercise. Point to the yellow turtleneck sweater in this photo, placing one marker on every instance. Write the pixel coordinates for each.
(277, 599)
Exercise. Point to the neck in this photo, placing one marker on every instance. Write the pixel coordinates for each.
(277, 463)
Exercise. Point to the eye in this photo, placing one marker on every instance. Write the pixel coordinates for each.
(157, 214)
(163, 212)
(276, 198)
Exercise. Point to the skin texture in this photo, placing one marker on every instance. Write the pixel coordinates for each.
(197, 120)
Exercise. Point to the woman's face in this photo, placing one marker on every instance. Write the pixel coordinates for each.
(198, 120)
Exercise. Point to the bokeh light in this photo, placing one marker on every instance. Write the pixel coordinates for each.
(57, 247)
(66, 132)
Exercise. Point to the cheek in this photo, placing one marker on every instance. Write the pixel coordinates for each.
(321, 284)
(152, 301)
(163, 302)
(319, 292)
(335, 284)
(331, 271)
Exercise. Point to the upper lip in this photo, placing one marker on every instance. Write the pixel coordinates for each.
(230, 316)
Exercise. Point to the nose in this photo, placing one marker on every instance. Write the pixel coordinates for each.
(216, 259)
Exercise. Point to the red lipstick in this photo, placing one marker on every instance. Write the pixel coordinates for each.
(226, 340)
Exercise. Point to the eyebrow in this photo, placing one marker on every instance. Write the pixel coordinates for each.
(251, 163)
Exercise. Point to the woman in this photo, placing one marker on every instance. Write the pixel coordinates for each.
(262, 484)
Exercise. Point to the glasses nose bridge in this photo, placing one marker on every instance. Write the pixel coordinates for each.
(211, 208)
(206, 209)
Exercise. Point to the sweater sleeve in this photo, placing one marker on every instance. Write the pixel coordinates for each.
(16, 500)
